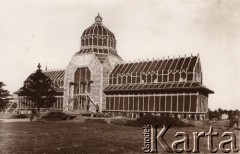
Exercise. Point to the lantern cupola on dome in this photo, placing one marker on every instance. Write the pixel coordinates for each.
(98, 19)
(98, 39)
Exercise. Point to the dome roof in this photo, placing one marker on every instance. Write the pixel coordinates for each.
(99, 40)
(98, 35)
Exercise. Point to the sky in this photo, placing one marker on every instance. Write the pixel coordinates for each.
(49, 31)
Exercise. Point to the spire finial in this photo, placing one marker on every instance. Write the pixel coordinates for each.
(39, 66)
(98, 19)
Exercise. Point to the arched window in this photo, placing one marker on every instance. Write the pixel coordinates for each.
(113, 45)
(104, 42)
(149, 78)
(154, 78)
(59, 83)
(99, 41)
(129, 79)
(55, 83)
(170, 76)
(81, 77)
(110, 80)
(114, 80)
(109, 43)
(177, 76)
(183, 76)
(119, 80)
(190, 76)
(90, 41)
(160, 77)
(124, 79)
(94, 41)
(85, 42)
(62, 83)
(144, 78)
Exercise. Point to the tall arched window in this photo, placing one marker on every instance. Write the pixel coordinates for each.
(177, 76)
(129, 79)
(154, 78)
(94, 41)
(183, 76)
(109, 43)
(124, 79)
(170, 76)
(144, 78)
(104, 42)
(86, 42)
(99, 41)
(149, 78)
(119, 80)
(90, 41)
(82, 77)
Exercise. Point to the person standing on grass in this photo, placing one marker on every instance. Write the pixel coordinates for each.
(33, 113)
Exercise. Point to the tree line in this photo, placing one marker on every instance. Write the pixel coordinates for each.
(219, 112)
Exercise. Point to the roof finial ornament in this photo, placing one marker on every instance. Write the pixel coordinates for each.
(39, 66)
(98, 19)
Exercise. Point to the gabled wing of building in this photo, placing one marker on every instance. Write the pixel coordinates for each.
(165, 75)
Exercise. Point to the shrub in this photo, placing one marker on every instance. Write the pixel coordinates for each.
(156, 120)
(54, 116)
(20, 116)
(95, 121)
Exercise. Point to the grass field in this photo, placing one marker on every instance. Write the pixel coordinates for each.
(79, 137)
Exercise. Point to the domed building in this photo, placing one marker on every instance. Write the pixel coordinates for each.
(97, 80)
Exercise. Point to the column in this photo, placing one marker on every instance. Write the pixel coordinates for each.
(165, 102)
(114, 102)
(154, 102)
(138, 102)
(177, 102)
(183, 102)
(190, 102)
(148, 100)
(160, 102)
(197, 106)
(171, 110)
(128, 103)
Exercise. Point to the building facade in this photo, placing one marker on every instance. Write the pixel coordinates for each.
(97, 79)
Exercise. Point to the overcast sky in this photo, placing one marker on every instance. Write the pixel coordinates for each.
(49, 31)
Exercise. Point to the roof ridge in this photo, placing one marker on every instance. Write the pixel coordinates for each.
(158, 59)
(55, 69)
